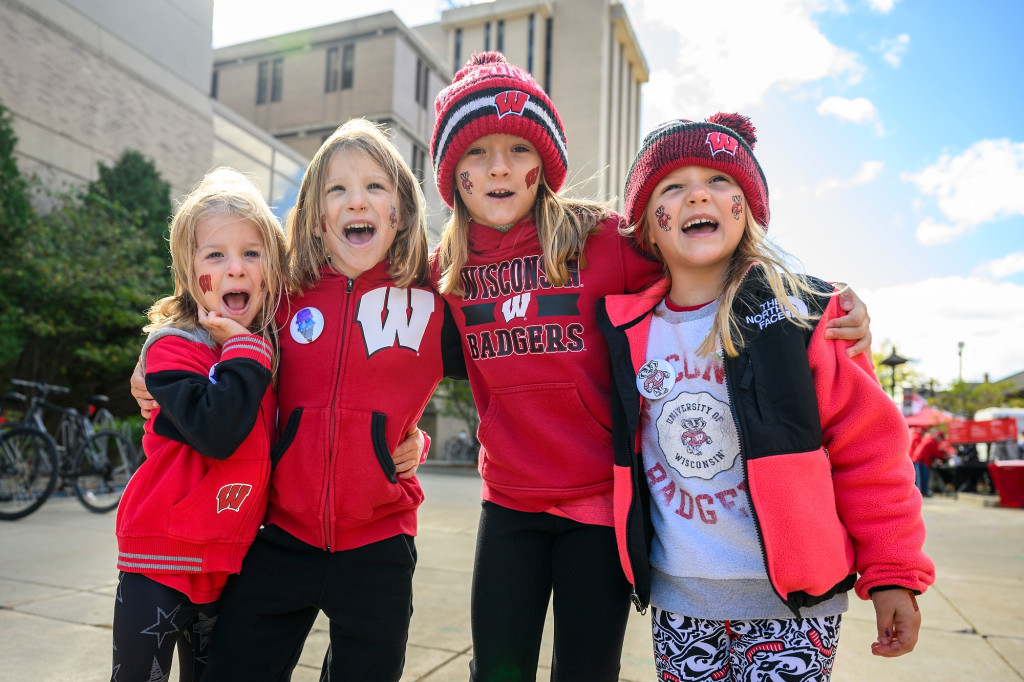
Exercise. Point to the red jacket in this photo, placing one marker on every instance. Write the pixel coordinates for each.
(194, 506)
(832, 492)
(538, 367)
(359, 361)
(928, 451)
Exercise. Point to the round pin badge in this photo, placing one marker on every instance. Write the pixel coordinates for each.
(213, 373)
(307, 325)
(655, 379)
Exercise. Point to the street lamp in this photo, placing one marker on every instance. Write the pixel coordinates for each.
(893, 361)
(960, 357)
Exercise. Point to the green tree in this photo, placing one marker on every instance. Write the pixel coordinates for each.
(965, 399)
(456, 400)
(135, 184)
(905, 374)
(16, 218)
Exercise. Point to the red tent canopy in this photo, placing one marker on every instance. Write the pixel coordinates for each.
(928, 416)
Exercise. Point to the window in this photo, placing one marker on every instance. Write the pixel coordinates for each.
(458, 48)
(262, 82)
(277, 76)
(348, 58)
(333, 69)
(547, 56)
(422, 78)
(529, 45)
(487, 37)
(419, 162)
(501, 35)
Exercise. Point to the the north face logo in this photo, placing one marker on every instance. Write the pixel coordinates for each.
(232, 495)
(510, 102)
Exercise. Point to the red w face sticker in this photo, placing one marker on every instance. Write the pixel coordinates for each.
(205, 284)
(531, 177)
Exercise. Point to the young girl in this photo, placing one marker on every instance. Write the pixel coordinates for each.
(361, 354)
(193, 508)
(770, 465)
(523, 270)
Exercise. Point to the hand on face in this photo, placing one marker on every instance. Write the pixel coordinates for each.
(361, 218)
(228, 267)
(498, 178)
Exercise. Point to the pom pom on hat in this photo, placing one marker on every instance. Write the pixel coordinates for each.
(724, 142)
(489, 96)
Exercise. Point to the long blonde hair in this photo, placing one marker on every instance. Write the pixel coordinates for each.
(753, 249)
(222, 191)
(563, 225)
(307, 251)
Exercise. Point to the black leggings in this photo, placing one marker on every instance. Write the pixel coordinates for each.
(521, 559)
(150, 620)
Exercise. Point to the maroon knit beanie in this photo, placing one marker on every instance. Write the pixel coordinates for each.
(724, 142)
(489, 96)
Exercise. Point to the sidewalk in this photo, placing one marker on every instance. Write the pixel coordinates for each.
(57, 583)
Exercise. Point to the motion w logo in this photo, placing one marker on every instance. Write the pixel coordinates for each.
(232, 495)
(515, 306)
(388, 315)
(510, 102)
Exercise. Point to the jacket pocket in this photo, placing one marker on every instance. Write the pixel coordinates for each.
(301, 462)
(227, 504)
(363, 477)
(806, 544)
(525, 450)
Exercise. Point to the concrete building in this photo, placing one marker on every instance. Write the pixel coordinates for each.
(85, 80)
(585, 54)
(301, 86)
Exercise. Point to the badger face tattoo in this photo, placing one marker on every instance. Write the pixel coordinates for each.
(393, 217)
(663, 218)
(466, 183)
(531, 177)
(737, 206)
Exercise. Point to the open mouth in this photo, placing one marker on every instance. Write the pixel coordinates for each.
(500, 193)
(236, 301)
(359, 233)
(700, 226)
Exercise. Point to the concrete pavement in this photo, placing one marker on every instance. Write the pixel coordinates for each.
(57, 582)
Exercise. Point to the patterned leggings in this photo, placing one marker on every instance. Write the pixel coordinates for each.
(150, 620)
(790, 650)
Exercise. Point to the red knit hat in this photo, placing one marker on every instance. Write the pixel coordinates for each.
(490, 96)
(724, 142)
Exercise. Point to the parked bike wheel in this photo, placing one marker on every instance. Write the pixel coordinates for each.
(28, 471)
(101, 469)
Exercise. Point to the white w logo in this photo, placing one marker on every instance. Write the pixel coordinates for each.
(389, 314)
(515, 306)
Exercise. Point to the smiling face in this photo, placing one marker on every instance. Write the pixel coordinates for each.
(696, 218)
(498, 178)
(228, 267)
(361, 216)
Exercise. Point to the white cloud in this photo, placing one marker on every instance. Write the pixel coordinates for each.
(981, 185)
(704, 64)
(868, 172)
(893, 49)
(882, 6)
(926, 319)
(859, 110)
(1006, 266)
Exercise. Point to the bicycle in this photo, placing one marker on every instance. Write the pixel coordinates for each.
(96, 463)
(28, 470)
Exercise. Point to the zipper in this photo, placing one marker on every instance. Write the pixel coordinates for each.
(746, 476)
(342, 347)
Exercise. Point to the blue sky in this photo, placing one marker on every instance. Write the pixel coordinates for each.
(891, 133)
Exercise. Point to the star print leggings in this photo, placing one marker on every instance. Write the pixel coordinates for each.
(150, 620)
(787, 650)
